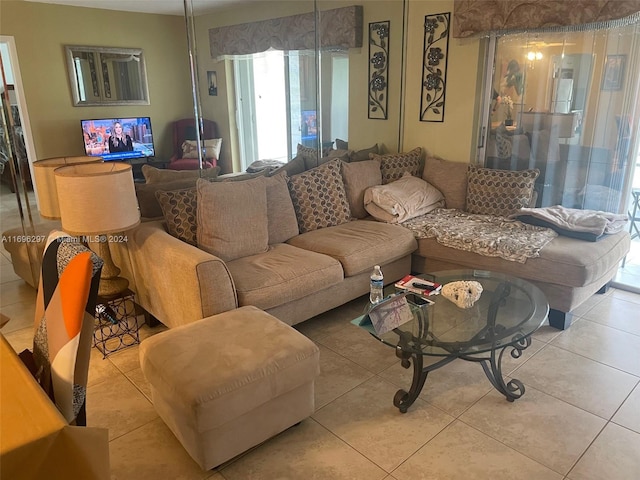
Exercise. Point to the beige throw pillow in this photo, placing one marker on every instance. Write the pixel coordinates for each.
(319, 198)
(282, 221)
(232, 218)
(212, 148)
(499, 192)
(357, 178)
(394, 165)
(361, 155)
(161, 175)
(448, 177)
(293, 167)
(403, 199)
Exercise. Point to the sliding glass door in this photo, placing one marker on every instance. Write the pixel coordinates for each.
(568, 104)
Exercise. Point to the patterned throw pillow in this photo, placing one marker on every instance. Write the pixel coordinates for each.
(499, 192)
(394, 165)
(319, 198)
(179, 208)
(310, 156)
(146, 195)
(211, 148)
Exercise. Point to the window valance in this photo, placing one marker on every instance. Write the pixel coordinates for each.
(473, 17)
(339, 28)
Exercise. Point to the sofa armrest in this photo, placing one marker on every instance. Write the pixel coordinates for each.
(176, 282)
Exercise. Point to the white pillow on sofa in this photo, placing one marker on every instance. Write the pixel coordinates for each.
(406, 198)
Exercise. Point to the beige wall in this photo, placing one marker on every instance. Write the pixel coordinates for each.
(452, 139)
(42, 30)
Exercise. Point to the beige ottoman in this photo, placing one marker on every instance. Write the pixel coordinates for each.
(228, 382)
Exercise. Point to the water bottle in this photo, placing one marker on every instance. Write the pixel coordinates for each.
(376, 284)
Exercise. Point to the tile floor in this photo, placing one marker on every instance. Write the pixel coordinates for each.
(579, 418)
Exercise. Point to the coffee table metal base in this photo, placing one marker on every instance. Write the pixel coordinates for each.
(492, 366)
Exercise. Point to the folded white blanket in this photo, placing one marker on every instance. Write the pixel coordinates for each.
(576, 220)
(407, 197)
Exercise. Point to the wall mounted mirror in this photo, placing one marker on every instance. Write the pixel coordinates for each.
(107, 76)
(308, 89)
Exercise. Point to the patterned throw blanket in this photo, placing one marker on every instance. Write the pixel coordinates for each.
(487, 235)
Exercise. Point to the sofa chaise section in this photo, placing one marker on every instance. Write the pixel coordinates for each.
(567, 270)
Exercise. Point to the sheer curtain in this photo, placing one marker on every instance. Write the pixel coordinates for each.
(566, 101)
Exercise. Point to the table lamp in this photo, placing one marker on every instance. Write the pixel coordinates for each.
(98, 200)
(46, 182)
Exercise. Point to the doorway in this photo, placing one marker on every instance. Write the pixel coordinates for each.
(18, 212)
(628, 276)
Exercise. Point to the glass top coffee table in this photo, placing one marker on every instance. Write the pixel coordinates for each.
(508, 311)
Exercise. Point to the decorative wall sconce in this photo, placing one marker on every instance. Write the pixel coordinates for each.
(434, 67)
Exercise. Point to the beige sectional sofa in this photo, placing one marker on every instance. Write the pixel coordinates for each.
(300, 270)
(294, 276)
(315, 271)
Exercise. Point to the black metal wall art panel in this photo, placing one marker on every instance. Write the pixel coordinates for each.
(434, 67)
(378, 69)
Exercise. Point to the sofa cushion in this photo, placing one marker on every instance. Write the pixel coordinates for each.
(212, 148)
(343, 155)
(282, 274)
(309, 154)
(499, 192)
(360, 244)
(161, 175)
(357, 178)
(281, 216)
(448, 177)
(402, 200)
(146, 194)
(344, 145)
(232, 218)
(240, 176)
(179, 208)
(394, 165)
(292, 167)
(360, 155)
(563, 261)
(319, 198)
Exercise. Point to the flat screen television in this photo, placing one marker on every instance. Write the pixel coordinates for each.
(101, 138)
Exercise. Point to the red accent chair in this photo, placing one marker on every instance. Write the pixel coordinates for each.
(185, 129)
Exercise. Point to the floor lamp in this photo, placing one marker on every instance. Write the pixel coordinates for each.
(98, 200)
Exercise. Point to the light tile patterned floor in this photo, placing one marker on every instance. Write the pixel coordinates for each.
(578, 419)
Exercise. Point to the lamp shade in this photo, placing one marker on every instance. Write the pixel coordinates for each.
(46, 182)
(97, 198)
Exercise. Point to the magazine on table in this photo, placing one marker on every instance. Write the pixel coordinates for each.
(418, 285)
